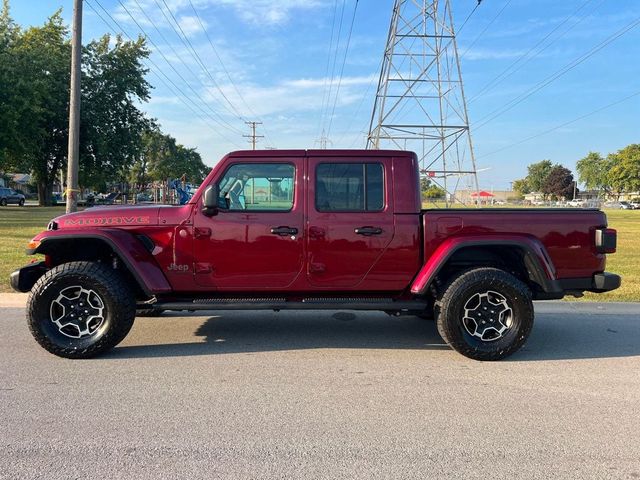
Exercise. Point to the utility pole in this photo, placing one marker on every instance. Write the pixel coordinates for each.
(420, 103)
(253, 136)
(73, 151)
(323, 141)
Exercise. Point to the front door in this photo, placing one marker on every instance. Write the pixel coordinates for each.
(255, 242)
(350, 220)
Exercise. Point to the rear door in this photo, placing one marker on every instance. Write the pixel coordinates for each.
(255, 242)
(349, 219)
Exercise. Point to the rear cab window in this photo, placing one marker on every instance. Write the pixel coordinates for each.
(349, 187)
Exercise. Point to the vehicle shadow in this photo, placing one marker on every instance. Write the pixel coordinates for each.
(556, 335)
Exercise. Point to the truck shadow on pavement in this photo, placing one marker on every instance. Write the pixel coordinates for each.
(556, 335)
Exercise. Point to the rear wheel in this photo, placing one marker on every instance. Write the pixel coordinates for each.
(3, 202)
(80, 309)
(485, 314)
(21, 202)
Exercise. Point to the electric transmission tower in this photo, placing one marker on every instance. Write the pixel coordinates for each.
(420, 103)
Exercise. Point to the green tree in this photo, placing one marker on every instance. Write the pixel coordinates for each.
(625, 171)
(521, 186)
(41, 88)
(9, 108)
(537, 174)
(112, 125)
(114, 141)
(162, 158)
(559, 183)
(593, 172)
(434, 192)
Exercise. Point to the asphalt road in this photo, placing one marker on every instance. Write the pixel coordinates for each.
(325, 395)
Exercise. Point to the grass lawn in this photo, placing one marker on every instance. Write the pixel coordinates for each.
(626, 261)
(19, 225)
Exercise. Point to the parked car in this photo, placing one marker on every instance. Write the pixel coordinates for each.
(9, 196)
(575, 203)
(626, 206)
(311, 230)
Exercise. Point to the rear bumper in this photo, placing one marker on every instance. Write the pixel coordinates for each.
(23, 279)
(599, 283)
(605, 282)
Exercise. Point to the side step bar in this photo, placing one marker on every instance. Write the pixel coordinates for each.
(282, 304)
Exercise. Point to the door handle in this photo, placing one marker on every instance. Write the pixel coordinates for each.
(368, 231)
(284, 231)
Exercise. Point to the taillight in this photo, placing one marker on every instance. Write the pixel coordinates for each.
(606, 239)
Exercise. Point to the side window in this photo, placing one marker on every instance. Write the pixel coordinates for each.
(257, 186)
(349, 187)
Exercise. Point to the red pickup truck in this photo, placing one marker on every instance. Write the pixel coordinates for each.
(316, 229)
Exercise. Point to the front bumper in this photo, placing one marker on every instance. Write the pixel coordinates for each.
(24, 279)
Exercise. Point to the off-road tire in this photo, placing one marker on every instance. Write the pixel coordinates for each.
(118, 312)
(450, 311)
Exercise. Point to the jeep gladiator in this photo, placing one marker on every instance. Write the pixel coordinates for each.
(316, 229)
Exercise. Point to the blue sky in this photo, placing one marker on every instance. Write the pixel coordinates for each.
(276, 52)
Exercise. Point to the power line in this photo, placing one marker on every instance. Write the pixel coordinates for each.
(325, 109)
(221, 121)
(199, 60)
(506, 73)
(469, 16)
(326, 73)
(557, 127)
(226, 71)
(180, 95)
(551, 78)
(365, 95)
(178, 56)
(344, 61)
(485, 28)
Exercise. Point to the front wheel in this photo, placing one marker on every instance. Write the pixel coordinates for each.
(485, 314)
(80, 309)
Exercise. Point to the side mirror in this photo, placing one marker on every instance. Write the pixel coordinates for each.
(210, 201)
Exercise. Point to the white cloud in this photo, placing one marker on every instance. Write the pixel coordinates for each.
(320, 82)
(190, 25)
(290, 96)
(268, 12)
(158, 100)
(254, 12)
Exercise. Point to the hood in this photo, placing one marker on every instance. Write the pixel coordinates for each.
(125, 216)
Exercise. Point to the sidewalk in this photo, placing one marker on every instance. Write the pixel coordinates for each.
(13, 300)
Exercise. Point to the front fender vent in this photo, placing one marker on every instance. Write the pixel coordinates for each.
(53, 225)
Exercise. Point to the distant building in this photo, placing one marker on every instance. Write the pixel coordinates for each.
(20, 182)
(469, 196)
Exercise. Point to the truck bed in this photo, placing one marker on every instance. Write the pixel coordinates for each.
(567, 234)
